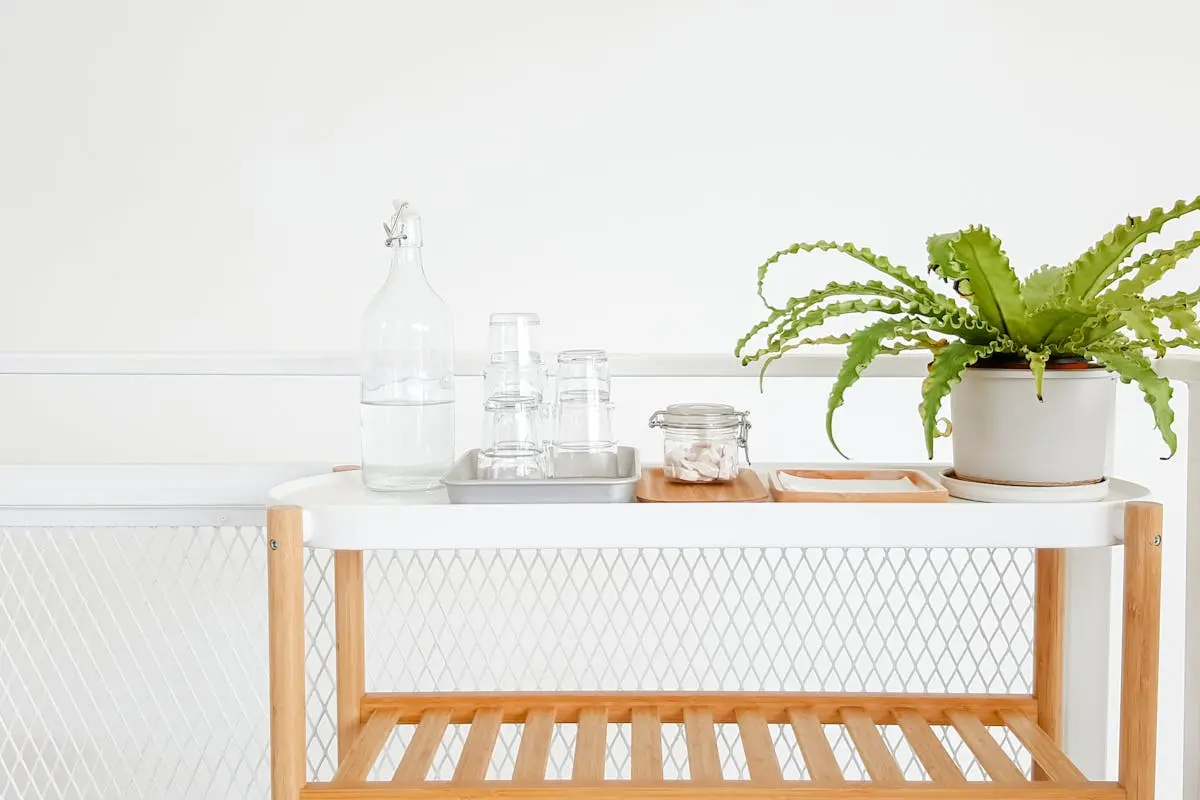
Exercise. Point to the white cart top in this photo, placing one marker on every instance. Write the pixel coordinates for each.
(339, 513)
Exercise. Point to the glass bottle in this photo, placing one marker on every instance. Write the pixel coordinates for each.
(407, 371)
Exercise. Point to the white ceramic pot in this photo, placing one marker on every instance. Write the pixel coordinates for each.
(1002, 433)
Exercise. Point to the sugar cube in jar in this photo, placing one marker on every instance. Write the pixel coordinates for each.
(701, 441)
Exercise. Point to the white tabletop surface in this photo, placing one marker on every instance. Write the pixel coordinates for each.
(339, 513)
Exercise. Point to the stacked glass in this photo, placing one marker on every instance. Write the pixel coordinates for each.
(582, 442)
(515, 366)
(515, 385)
(512, 445)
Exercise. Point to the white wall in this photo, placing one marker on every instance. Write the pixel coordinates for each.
(211, 176)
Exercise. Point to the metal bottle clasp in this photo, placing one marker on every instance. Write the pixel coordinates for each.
(395, 231)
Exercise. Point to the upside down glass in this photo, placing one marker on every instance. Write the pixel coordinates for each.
(514, 335)
(583, 444)
(512, 445)
(582, 372)
(515, 364)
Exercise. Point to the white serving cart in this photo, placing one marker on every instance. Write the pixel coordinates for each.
(334, 511)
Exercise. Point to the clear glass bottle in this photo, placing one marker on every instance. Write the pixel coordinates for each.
(407, 371)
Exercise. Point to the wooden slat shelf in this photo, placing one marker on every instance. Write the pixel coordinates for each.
(670, 706)
(685, 790)
(700, 713)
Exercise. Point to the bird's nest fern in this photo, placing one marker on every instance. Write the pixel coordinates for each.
(1094, 307)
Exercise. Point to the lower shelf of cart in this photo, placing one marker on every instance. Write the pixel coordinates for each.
(807, 714)
(690, 790)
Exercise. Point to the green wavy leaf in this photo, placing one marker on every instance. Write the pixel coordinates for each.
(1133, 367)
(766, 265)
(1150, 268)
(1169, 302)
(1142, 323)
(766, 323)
(946, 370)
(917, 341)
(1100, 327)
(791, 327)
(880, 263)
(865, 344)
(1041, 285)
(995, 289)
(1055, 321)
(958, 323)
(1139, 317)
(1184, 321)
(1037, 365)
(1088, 274)
(818, 315)
(969, 328)
(870, 288)
(794, 344)
(941, 258)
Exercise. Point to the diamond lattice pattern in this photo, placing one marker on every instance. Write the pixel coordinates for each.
(133, 661)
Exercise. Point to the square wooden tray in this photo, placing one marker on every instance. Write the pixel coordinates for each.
(655, 488)
(928, 490)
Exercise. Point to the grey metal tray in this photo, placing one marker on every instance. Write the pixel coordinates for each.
(463, 486)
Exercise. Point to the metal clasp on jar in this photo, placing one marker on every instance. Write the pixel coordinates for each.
(743, 439)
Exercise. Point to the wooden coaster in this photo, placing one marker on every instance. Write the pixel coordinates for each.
(655, 488)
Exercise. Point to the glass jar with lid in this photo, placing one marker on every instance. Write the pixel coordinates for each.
(701, 441)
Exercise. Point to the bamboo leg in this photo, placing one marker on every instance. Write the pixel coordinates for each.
(1139, 662)
(349, 644)
(1049, 612)
(285, 620)
(348, 634)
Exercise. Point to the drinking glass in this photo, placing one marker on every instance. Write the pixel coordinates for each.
(512, 445)
(583, 444)
(514, 334)
(515, 364)
(583, 372)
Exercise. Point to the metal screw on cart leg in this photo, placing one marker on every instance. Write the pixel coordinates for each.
(1157, 541)
(275, 544)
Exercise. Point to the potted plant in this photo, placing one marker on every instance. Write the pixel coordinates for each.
(1028, 363)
